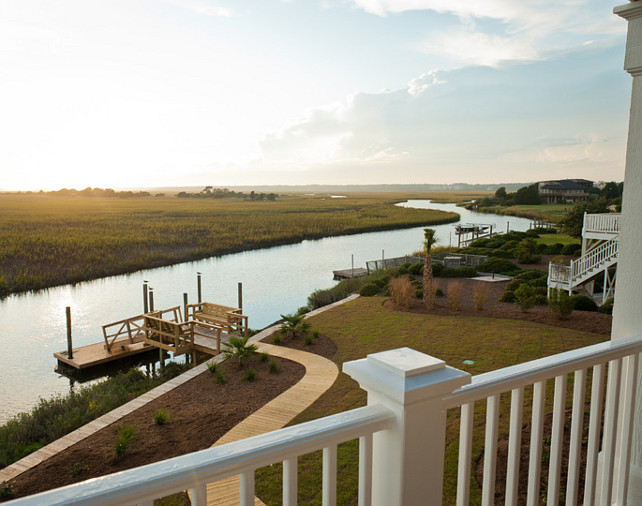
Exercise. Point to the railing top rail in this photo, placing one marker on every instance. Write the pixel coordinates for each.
(139, 317)
(508, 378)
(181, 473)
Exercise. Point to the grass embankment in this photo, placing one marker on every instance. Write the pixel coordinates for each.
(564, 239)
(53, 418)
(550, 212)
(364, 326)
(47, 241)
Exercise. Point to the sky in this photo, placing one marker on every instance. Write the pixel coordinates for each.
(150, 93)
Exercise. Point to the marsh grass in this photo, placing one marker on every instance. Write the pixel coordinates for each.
(454, 295)
(480, 295)
(47, 241)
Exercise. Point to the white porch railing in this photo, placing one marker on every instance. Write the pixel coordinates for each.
(402, 435)
(607, 223)
(584, 268)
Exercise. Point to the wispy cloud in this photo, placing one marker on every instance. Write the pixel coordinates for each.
(495, 31)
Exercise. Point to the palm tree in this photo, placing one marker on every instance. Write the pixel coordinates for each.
(238, 349)
(293, 325)
(430, 239)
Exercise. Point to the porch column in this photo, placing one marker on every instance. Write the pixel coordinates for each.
(408, 459)
(627, 314)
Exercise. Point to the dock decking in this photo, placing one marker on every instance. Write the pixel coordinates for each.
(350, 273)
(97, 353)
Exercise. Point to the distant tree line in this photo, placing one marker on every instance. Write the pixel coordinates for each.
(93, 192)
(209, 192)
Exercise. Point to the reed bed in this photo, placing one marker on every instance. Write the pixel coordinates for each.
(47, 241)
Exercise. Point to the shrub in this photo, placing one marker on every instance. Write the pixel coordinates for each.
(263, 357)
(238, 349)
(524, 297)
(161, 416)
(555, 249)
(276, 338)
(315, 334)
(273, 366)
(460, 272)
(369, 290)
(308, 339)
(498, 253)
(571, 249)
(607, 307)
(560, 303)
(499, 265)
(221, 379)
(293, 325)
(211, 367)
(402, 291)
(534, 278)
(126, 436)
(583, 303)
(439, 292)
(454, 295)
(480, 295)
(416, 269)
(249, 375)
(6, 490)
(75, 470)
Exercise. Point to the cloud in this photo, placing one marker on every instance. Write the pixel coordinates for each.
(472, 124)
(492, 32)
(205, 7)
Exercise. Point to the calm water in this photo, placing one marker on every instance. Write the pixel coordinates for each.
(275, 281)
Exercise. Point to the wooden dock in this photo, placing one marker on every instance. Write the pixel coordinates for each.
(350, 273)
(97, 353)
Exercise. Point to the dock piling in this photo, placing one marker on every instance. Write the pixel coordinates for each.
(198, 286)
(151, 299)
(70, 350)
(184, 307)
(240, 296)
(145, 303)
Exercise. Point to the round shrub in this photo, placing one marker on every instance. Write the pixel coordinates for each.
(607, 307)
(416, 269)
(499, 265)
(500, 253)
(459, 272)
(583, 303)
(369, 290)
(572, 249)
(532, 233)
(555, 249)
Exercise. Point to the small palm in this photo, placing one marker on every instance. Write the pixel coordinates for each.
(238, 349)
(293, 325)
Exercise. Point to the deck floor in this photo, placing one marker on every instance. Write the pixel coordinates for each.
(97, 353)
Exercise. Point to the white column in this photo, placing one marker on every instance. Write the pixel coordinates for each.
(627, 314)
(408, 459)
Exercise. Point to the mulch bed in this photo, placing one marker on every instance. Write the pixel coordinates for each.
(579, 320)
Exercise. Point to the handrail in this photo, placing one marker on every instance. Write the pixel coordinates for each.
(597, 256)
(136, 322)
(527, 373)
(604, 223)
(213, 464)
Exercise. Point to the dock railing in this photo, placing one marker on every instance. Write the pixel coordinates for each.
(402, 435)
(608, 223)
(132, 328)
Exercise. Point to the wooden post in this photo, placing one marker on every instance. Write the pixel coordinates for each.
(352, 274)
(507, 227)
(184, 307)
(240, 296)
(145, 297)
(151, 299)
(70, 350)
(198, 283)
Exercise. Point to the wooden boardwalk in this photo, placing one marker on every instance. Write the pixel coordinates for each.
(320, 374)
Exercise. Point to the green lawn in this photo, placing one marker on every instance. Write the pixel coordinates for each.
(364, 326)
(555, 238)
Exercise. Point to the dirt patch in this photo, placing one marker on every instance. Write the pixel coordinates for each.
(200, 412)
(579, 320)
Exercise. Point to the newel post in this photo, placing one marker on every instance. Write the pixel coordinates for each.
(408, 459)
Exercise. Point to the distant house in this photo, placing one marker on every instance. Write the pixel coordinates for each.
(564, 190)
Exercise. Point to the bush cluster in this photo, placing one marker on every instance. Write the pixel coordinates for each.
(533, 278)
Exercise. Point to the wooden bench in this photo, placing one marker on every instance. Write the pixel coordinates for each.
(230, 318)
(170, 336)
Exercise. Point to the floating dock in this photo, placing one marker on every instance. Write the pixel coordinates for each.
(350, 273)
(97, 353)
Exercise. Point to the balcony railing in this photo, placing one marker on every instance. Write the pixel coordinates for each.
(601, 223)
(402, 435)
